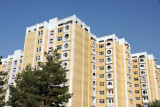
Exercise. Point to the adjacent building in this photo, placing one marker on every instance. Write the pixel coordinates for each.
(145, 79)
(12, 65)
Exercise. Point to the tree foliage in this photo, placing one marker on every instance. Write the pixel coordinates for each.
(41, 87)
(154, 104)
(3, 81)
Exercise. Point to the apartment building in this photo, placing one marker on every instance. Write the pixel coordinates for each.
(71, 38)
(102, 71)
(145, 79)
(113, 81)
(12, 65)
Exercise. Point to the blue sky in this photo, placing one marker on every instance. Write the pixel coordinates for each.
(138, 21)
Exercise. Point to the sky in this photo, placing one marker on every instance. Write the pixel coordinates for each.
(138, 21)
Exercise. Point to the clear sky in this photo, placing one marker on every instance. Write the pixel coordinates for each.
(138, 21)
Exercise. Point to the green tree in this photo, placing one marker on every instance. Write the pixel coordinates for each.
(41, 87)
(154, 104)
(3, 81)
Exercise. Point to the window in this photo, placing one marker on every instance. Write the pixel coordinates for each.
(136, 79)
(67, 27)
(135, 66)
(101, 92)
(101, 68)
(101, 76)
(60, 30)
(109, 83)
(142, 72)
(66, 36)
(40, 40)
(65, 54)
(141, 60)
(108, 44)
(58, 56)
(38, 57)
(137, 98)
(20, 61)
(19, 68)
(136, 85)
(110, 101)
(142, 65)
(144, 85)
(41, 32)
(136, 91)
(101, 101)
(51, 41)
(109, 67)
(143, 78)
(144, 91)
(101, 53)
(134, 61)
(66, 45)
(101, 46)
(136, 72)
(109, 75)
(109, 59)
(101, 84)
(110, 91)
(101, 60)
(65, 64)
(59, 38)
(109, 52)
(59, 47)
(39, 48)
(145, 98)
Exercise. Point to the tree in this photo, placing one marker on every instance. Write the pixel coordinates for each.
(155, 103)
(41, 87)
(3, 81)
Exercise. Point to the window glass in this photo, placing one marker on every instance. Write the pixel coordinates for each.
(60, 30)
(101, 60)
(101, 46)
(101, 68)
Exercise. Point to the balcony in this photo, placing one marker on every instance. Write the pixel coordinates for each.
(110, 95)
(94, 92)
(93, 101)
(145, 101)
(110, 104)
(94, 85)
(109, 86)
(142, 66)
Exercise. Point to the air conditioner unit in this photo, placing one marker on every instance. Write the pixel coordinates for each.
(66, 46)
